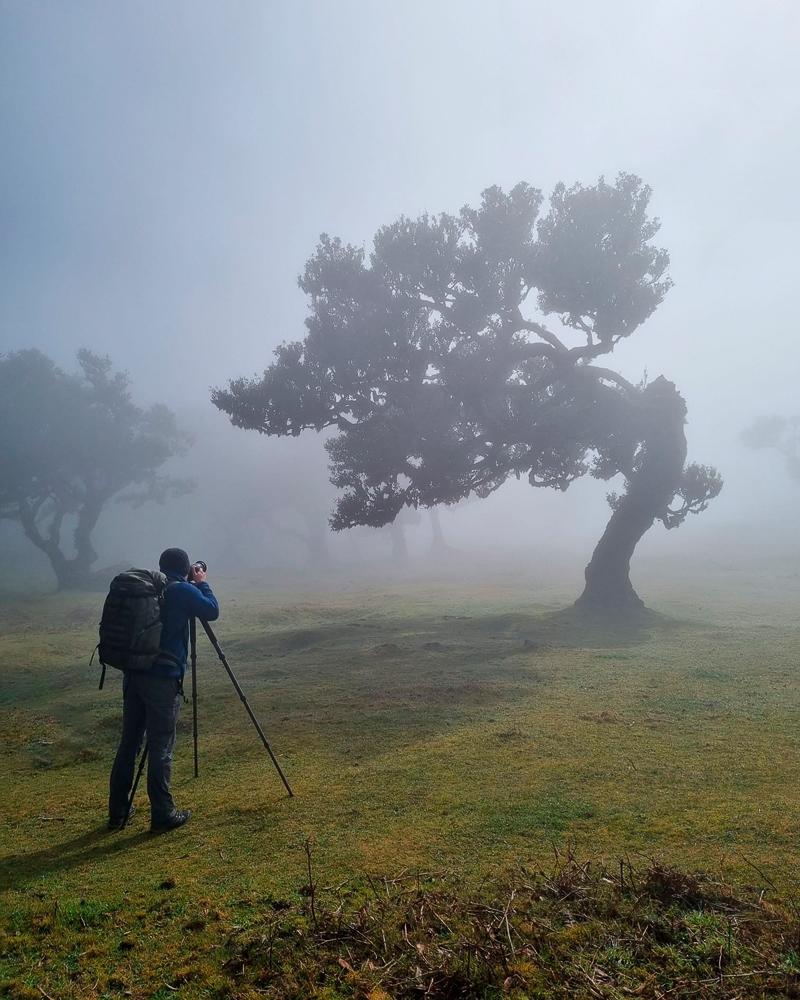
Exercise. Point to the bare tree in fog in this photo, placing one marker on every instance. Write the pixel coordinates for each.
(71, 443)
(781, 434)
(442, 382)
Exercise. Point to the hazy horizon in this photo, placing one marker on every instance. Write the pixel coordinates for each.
(167, 170)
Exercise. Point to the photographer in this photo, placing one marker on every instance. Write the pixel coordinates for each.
(151, 700)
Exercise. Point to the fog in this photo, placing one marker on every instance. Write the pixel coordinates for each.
(167, 169)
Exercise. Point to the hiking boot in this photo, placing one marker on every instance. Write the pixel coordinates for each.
(117, 822)
(178, 818)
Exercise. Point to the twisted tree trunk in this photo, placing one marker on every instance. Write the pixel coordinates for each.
(88, 516)
(662, 412)
(70, 573)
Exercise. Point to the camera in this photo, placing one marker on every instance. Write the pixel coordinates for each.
(197, 564)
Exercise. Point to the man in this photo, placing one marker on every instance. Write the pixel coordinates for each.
(152, 699)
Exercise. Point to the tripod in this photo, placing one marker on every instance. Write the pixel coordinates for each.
(237, 687)
(224, 661)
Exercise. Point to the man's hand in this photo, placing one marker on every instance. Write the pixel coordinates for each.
(197, 574)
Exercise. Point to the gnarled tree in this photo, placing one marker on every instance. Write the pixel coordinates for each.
(71, 443)
(433, 360)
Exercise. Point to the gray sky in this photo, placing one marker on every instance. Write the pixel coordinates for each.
(166, 169)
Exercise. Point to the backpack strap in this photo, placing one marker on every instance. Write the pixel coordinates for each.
(103, 672)
(164, 654)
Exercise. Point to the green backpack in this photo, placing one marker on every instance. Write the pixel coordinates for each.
(130, 627)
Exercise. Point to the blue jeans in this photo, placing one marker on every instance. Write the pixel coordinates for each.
(151, 704)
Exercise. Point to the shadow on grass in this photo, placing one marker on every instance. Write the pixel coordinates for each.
(17, 870)
(569, 628)
(372, 685)
(574, 627)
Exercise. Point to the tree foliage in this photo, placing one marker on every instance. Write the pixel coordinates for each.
(70, 443)
(433, 356)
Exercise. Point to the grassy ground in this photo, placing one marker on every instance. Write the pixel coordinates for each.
(461, 729)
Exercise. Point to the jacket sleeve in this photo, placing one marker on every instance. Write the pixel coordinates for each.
(201, 603)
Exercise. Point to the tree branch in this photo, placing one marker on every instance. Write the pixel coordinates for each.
(581, 324)
(432, 303)
(541, 331)
(610, 376)
(588, 352)
(54, 531)
(541, 351)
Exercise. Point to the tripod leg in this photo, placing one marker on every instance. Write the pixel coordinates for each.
(193, 644)
(135, 786)
(213, 639)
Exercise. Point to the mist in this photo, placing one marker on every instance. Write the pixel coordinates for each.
(399, 475)
(167, 170)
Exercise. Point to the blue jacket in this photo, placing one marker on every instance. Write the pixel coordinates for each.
(182, 601)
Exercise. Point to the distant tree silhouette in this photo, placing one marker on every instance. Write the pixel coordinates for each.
(71, 443)
(781, 434)
(255, 506)
(439, 546)
(405, 519)
(442, 381)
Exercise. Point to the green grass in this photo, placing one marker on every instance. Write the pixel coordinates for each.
(447, 728)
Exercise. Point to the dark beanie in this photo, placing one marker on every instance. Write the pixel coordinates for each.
(174, 561)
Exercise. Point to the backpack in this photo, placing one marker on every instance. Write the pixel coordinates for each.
(130, 627)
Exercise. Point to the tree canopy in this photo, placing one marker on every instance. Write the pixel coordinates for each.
(69, 443)
(436, 359)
